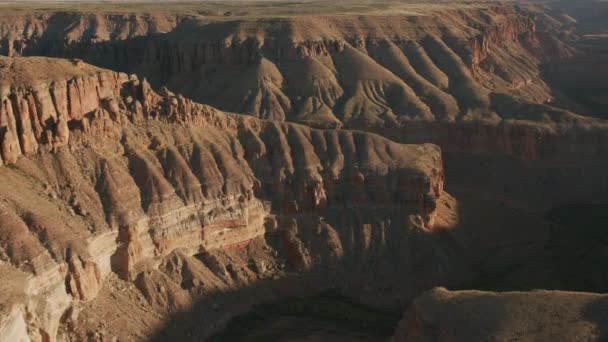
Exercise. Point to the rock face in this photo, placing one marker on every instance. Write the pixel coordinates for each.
(125, 202)
(25, 32)
(107, 177)
(480, 82)
(381, 71)
(40, 98)
(442, 315)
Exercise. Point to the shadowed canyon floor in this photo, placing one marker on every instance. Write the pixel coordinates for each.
(310, 171)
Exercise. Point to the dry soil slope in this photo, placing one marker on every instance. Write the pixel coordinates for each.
(399, 63)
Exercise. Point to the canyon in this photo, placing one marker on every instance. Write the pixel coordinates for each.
(167, 168)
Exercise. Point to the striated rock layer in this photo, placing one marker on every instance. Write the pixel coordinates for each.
(105, 178)
(483, 81)
(433, 63)
(122, 206)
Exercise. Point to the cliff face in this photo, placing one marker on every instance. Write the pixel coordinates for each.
(27, 32)
(472, 80)
(445, 64)
(122, 204)
(363, 71)
(104, 177)
(37, 113)
(359, 70)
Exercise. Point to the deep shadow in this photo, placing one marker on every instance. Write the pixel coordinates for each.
(579, 246)
(328, 309)
(573, 258)
(597, 312)
(421, 261)
(579, 79)
(362, 295)
(269, 310)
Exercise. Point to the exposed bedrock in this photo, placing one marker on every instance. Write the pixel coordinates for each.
(105, 178)
(372, 70)
(123, 201)
(439, 315)
(40, 117)
(481, 82)
(47, 33)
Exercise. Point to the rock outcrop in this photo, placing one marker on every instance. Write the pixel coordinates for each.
(41, 98)
(31, 32)
(479, 81)
(380, 71)
(440, 315)
(107, 177)
(123, 201)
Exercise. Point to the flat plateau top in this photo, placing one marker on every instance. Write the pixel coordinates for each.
(232, 9)
(28, 71)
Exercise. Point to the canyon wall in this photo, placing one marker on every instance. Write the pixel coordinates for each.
(104, 178)
(124, 203)
(476, 81)
(377, 71)
(26, 32)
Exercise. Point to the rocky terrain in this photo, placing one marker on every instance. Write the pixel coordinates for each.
(441, 315)
(103, 175)
(167, 170)
(476, 79)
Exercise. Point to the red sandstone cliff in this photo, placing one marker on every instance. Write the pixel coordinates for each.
(104, 177)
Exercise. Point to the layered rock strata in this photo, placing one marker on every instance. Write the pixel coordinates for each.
(121, 205)
(104, 177)
(479, 81)
(441, 63)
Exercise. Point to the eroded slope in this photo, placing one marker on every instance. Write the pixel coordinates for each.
(106, 179)
(486, 82)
